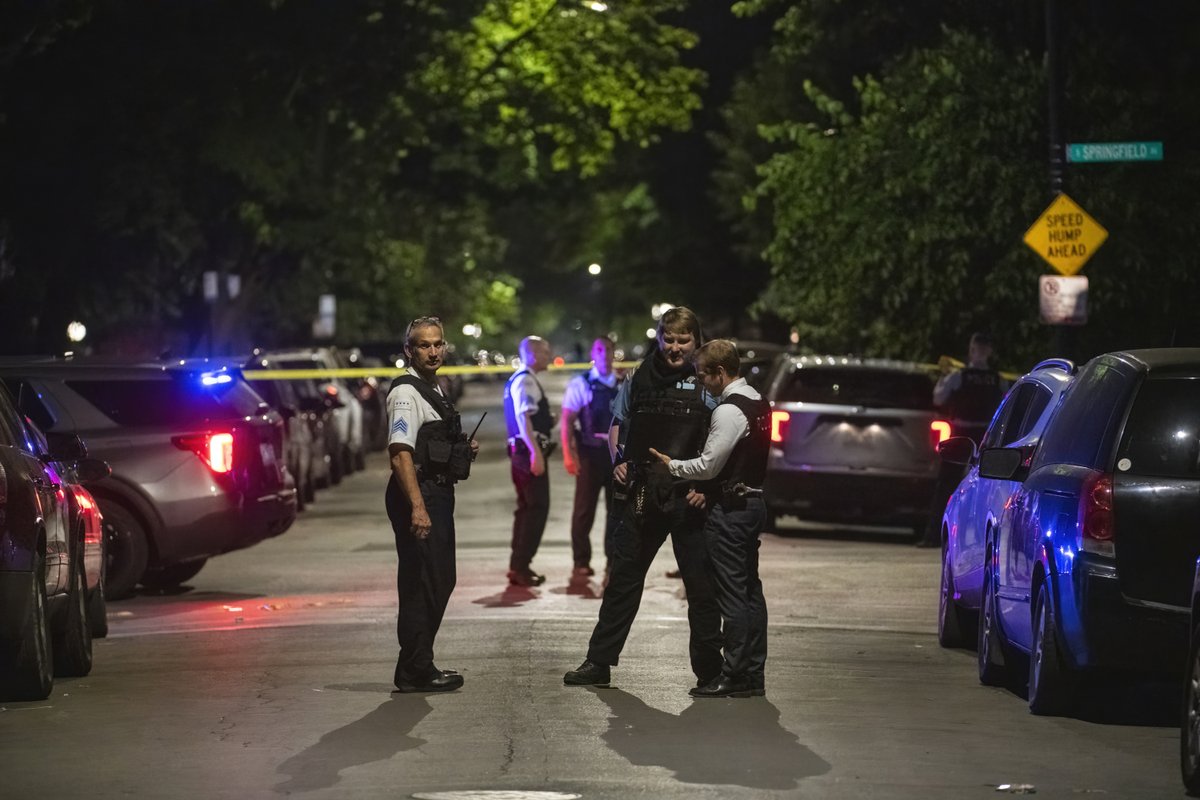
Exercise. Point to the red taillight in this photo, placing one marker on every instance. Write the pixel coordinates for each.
(216, 449)
(780, 421)
(1096, 514)
(89, 514)
(939, 431)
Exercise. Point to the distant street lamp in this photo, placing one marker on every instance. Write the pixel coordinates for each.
(658, 309)
(594, 269)
(651, 333)
(76, 331)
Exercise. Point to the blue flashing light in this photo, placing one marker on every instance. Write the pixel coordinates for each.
(215, 378)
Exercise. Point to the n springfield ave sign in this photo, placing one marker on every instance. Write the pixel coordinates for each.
(1065, 236)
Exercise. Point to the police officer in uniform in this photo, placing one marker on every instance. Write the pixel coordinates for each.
(662, 402)
(527, 414)
(969, 397)
(732, 467)
(429, 453)
(588, 402)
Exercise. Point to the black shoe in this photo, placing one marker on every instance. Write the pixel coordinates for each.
(758, 686)
(440, 682)
(724, 687)
(588, 674)
(525, 578)
(582, 571)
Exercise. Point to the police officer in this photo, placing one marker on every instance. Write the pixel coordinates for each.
(662, 402)
(732, 467)
(428, 453)
(586, 418)
(527, 414)
(969, 397)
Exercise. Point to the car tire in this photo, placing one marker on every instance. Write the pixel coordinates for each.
(171, 576)
(1189, 730)
(335, 467)
(990, 652)
(127, 548)
(73, 635)
(1051, 687)
(97, 611)
(27, 671)
(360, 460)
(310, 489)
(951, 627)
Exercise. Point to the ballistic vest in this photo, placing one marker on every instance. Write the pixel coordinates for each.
(542, 419)
(747, 463)
(595, 418)
(441, 449)
(672, 418)
(977, 397)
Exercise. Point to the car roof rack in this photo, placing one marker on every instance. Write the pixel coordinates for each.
(1064, 364)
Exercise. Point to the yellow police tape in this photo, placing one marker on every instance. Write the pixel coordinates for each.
(944, 364)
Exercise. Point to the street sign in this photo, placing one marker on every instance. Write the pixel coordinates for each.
(1102, 152)
(1063, 300)
(1065, 236)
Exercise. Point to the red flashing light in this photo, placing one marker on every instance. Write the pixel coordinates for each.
(939, 431)
(780, 422)
(216, 449)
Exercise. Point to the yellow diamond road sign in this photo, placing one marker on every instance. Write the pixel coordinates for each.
(1065, 235)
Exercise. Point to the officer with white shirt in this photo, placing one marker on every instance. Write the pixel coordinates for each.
(731, 469)
(429, 453)
(586, 418)
(527, 415)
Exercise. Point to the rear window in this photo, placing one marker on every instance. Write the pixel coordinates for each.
(178, 400)
(1083, 430)
(857, 386)
(1162, 435)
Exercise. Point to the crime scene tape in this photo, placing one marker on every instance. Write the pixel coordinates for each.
(392, 372)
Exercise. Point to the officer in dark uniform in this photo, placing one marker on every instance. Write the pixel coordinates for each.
(527, 414)
(731, 468)
(968, 397)
(586, 419)
(429, 453)
(661, 405)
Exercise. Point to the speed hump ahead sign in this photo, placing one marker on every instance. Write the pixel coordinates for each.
(1065, 236)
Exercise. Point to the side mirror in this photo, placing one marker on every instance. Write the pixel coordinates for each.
(1001, 463)
(65, 447)
(957, 450)
(90, 470)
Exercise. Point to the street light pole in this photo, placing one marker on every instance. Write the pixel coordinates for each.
(1055, 80)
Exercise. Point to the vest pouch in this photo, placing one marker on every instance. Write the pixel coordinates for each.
(459, 466)
(439, 454)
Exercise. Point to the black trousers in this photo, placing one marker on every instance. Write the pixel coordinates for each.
(533, 506)
(634, 545)
(425, 576)
(732, 538)
(595, 473)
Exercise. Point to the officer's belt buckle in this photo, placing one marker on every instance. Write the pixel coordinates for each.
(742, 490)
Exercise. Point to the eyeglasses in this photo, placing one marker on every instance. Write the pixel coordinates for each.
(420, 322)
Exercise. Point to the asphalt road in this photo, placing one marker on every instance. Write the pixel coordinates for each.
(269, 675)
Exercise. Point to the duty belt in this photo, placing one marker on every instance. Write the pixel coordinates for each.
(742, 490)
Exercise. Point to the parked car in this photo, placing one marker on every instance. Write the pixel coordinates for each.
(320, 409)
(1091, 565)
(303, 452)
(758, 361)
(852, 441)
(348, 412)
(976, 505)
(196, 457)
(370, 393)
(52, 562)
(1189, 719)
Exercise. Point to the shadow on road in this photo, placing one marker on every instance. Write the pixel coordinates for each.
(735, 742)
(511, 597)
(581, 586)
(379, 735)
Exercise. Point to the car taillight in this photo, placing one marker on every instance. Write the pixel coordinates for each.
(780, 421)
(215, 449)
(89, 513)
(1096, 523)
(939, 431)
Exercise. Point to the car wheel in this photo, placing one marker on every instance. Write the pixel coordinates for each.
(1189, 731)
(128, 550)
(310, 489)
(73, 637)
(1050, 681)
(950, 616)
(993, 666)
(97, 611)
(171, 576)
(28, 668)
(335, 467)
(360, 460)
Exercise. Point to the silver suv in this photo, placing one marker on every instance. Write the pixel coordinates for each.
(197, 459)
(853, 440)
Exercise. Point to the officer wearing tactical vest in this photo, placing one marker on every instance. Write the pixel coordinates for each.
(429, 453)
(732, 467)
(662, 406)
(527, 413)
(586, 418)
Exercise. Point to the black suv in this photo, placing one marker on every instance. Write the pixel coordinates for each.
(197, 459)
